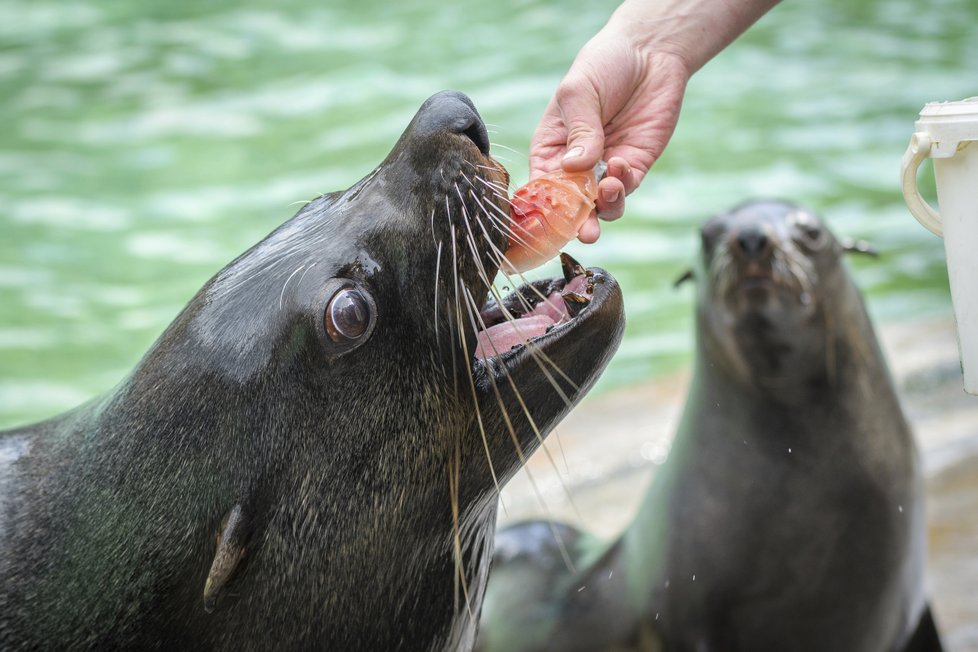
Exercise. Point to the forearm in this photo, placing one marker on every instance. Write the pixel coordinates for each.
(692, 30)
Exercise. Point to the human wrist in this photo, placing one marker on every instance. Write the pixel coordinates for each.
(691, 31)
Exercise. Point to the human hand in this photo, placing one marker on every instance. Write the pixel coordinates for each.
(618, 103)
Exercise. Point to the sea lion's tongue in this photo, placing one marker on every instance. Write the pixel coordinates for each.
(509, 333)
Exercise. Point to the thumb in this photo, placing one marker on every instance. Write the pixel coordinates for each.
(581, 112)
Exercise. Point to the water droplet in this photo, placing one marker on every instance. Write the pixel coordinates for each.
(900, 507)
(654, 451)
(789, 450)
(694, 578)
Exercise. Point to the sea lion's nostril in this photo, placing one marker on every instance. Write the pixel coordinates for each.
(477, 133)
(454, 112)
(752, 242)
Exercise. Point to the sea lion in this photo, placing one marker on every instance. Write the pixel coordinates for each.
(789, 513)
(309, 455)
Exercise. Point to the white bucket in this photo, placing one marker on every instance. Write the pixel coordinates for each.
(947, 132)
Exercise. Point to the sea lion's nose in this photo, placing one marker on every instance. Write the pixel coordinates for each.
(454, 112)
(752, 242)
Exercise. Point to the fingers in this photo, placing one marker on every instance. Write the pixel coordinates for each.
(580, 110)
(590, 230)
(610, 204)
(621, 169)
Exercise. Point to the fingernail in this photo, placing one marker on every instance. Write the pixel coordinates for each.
(611, 197)
(575, 152)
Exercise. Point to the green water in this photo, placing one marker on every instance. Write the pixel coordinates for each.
(145, 144)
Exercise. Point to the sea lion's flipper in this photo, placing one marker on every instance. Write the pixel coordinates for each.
(230, 552)
(925, 638)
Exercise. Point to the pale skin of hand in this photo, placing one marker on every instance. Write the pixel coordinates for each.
(620, 99)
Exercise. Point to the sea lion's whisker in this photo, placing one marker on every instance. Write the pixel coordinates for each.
(453, 324)
(507, 148)
(435, 304)
(499, 186)
(499, 258)
(498, 193)
(475, 400)
(526, 304)
(471, 240)
(434, 238)
(535, 352)
(454, 480)
(474, 309)
(453, 486)
(504, 228)
(484, 275)
(802, 270)
(498, 189)
(488, 168)
(721, 273)
(521, 455)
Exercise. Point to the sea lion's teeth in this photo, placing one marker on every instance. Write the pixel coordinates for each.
(570, 267)
(230, 552)
(574, 302)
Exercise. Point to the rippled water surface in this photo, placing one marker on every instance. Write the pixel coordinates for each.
(144, 145)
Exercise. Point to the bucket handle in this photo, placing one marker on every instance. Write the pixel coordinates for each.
(917, 151)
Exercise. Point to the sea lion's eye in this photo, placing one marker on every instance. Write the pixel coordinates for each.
(812, 233)
(348, 315)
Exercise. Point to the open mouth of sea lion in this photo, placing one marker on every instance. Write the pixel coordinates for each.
(537, 308)
(540, 317)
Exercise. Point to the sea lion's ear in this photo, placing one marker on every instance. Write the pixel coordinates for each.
(687, 276)
(859, 247)
(230, 552)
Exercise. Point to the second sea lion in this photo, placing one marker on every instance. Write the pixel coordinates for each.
(789, 515)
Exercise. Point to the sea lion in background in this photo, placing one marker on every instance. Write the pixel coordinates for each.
(789, 515)
(302, 460)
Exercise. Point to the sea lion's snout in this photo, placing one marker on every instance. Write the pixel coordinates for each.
(752, 242)
(453, 112)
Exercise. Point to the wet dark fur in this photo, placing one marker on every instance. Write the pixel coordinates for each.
(346, 463)
(789, 515)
